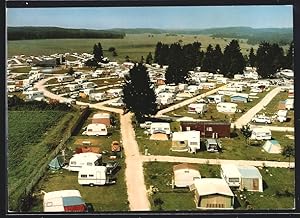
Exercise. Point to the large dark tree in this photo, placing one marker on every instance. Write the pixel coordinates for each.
(269, 58)
(177, 71)
(233, 60)
(161, 53)
(192, 55)
(98, 52)
(138, 93)
(149, 58)
(207, 64)
(289, 58)
(251, 58)
(217, 58)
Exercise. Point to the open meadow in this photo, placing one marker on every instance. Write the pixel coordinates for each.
(133, 45)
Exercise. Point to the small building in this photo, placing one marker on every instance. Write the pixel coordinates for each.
(242, 177)
(104, 118)
(207, 129)
(226, 107)
(261, 133)
(187, 140)
(239, 97)
(272, 147)
(184, 175)
(212, 193)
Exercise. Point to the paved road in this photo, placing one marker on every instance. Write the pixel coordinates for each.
(188, 101)
(246, 118)
(152, 158)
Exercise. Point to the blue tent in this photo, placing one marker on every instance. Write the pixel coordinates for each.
(57, 163)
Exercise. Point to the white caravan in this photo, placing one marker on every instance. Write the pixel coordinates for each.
(95, 129)
(91, 176)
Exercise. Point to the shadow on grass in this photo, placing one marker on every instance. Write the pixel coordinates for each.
(265, 185)
(90, 207)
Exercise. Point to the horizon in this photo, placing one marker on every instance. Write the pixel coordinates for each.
(167, 17)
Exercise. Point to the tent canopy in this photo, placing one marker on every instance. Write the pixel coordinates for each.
(57, 163)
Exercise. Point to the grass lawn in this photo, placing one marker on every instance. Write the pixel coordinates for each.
(233, 148)
(272, 108)
(133, 45)
(102, 198)
(159, 174)
(279, 191)
(31, 135)
(213, 114)
(21, 70)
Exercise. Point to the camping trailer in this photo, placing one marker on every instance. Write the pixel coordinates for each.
(160, 127)
(64, 201)
(242, 177)
(187, 140)
(226, 107)
(215, 98)
(197, 108)
(95, 175)
(95, 129)
(73, 87)
(65, 78)
(261, 133)
(84, 159)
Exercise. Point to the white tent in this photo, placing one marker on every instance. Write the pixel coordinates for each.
(272, 146)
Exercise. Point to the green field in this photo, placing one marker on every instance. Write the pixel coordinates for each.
(133, 45)
(102, 198)
(279, 188)
(233, 148)
(32, 135)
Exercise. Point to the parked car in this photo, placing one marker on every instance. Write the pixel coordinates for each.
(146, 125)
(261, 119)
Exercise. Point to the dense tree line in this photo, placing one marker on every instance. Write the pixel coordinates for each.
(23, 33)
(268, 59)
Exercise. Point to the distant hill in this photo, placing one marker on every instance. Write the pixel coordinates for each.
(273, 35)
(21, 33)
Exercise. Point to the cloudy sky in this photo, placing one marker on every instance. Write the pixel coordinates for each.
(199, 17)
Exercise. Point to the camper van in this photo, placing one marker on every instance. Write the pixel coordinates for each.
(261, 134)
(65, 78)
(73, 87)
(160, 127)
(226, 107)
(96, 175)
(64, 201)
(215, 98)
(84, 159)
(95, 129)
(88, 85)
(86, 76)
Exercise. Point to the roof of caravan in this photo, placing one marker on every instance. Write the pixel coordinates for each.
(101, 115)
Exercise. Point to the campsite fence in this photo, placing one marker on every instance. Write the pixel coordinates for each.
(24, 200)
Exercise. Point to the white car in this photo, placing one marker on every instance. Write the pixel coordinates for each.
(261, 119)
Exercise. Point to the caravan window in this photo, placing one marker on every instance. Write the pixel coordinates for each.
(233, 179)
(209, 129)
(103, 130)
(89, 164)
(91, 175)
(73, 162)
(49, 204)
(193, 143)
(83, 176)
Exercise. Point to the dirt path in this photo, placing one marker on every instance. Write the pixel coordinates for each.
(152, 158)
(246, 118)
(188, 101)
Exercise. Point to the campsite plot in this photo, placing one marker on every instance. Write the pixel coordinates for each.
(235, 148)
(159, 175)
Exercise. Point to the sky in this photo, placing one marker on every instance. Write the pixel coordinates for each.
(199, 17)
